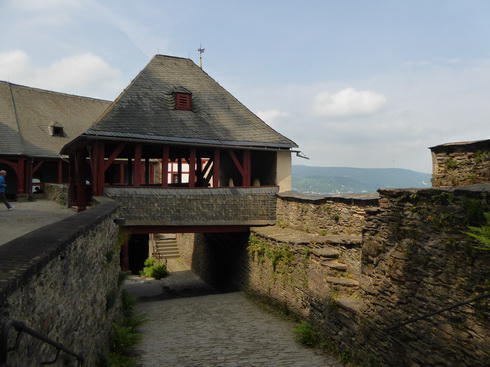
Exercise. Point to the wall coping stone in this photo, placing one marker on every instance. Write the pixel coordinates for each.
(23, 257)
(358, 199)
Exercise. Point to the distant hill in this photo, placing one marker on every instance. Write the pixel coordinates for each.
(347, 180)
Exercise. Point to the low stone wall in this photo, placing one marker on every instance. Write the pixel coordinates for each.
(326, 215)
(57, 193)
(62, 281)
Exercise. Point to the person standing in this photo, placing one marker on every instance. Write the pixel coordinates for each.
(2, 190)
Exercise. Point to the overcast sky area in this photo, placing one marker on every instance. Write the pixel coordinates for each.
(356, 83)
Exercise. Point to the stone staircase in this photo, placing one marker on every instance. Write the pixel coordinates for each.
(344, 288)
(165, 246)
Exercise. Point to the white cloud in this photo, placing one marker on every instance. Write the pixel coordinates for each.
(13, 63)
(348, 102)
(270, 116)
(84, 74)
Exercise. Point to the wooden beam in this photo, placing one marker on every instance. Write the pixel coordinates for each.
(188, 229)
(114, 155)
(237, 162)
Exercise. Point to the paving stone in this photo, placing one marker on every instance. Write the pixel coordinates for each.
(217, 330)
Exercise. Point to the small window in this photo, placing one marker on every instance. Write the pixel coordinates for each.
(57, 130)
(183, 101)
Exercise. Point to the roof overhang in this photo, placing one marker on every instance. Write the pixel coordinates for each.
(90, 136)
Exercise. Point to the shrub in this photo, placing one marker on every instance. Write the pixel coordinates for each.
(154, 269)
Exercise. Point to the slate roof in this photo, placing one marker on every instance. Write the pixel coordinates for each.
(26, 115)
(145, 110)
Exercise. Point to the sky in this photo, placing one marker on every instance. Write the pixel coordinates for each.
(355, 83)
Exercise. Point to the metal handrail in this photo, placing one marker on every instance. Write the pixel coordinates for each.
(21, 328)
(426, 316)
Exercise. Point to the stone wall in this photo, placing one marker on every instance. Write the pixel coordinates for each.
(323, 215)
(57, 193)
(62, 281)
(461, 164)
(413, 259)
(416, 260)
(198, 206)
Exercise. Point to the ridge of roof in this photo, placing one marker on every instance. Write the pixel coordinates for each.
(52, 92)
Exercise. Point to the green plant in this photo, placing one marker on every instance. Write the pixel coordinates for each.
(124, 338)
(281, 224)
(323, 232)
(481, 234)
(305, 334)
(335, 217)
(451, 163)
(154, 269)
(128, 301)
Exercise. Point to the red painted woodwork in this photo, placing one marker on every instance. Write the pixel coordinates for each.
(192, 167)
(114, 155)
(216, 167)
(165, 160)
(187, 229)
(137, 165)
(183, 101)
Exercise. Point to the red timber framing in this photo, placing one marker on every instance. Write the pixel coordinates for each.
(26, 168)
(106, 163)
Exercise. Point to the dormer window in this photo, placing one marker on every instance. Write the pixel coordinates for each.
(56, 129)
(183, 101)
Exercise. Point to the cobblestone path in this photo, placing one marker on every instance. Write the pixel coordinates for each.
(192, 326)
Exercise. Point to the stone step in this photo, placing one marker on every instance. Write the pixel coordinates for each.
(349, 304)
(333, 264)
(326, 252)
(346, 282)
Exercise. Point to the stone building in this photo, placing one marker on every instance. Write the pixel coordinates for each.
(34, 125)
(460, 164)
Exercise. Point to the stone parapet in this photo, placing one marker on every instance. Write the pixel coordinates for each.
(62, 280)
(325, 215)
(196, 207)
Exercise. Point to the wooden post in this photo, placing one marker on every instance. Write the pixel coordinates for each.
(216, 167)
(137, 165)
(192, 167)
(165, 160)
(81, 179)
(247, 181)
(72, 197)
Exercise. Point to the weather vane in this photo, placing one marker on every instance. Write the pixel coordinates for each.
(201, 50)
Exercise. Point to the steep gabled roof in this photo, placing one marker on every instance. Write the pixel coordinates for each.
(28, 115)
(146, 110)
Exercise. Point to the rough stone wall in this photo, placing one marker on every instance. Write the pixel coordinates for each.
(413, 259)
(416, 260)
(458, 165)
(57, 193)
(323, 215)
(62, 281)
